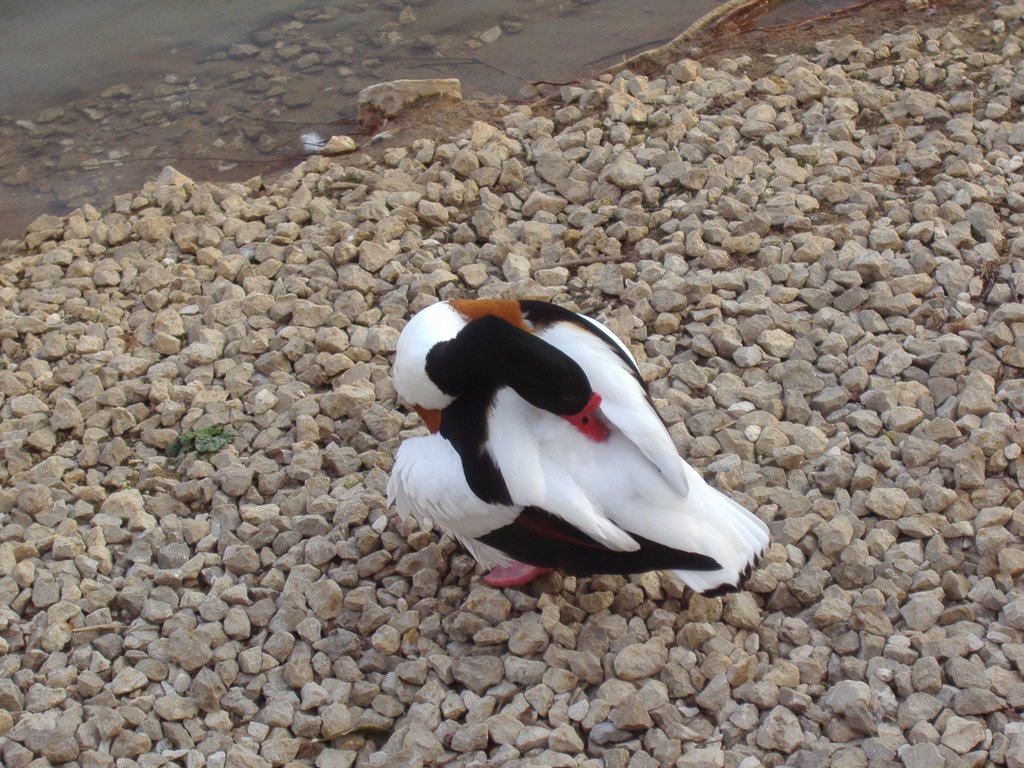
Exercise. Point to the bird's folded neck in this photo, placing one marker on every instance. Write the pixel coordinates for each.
(490, 353)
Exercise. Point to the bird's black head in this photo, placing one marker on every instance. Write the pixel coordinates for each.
(491, 353)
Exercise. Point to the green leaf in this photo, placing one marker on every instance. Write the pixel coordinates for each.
(208, 440)
(178, 446)
(212, 439)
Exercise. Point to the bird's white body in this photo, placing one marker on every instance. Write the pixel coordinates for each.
(632, 485)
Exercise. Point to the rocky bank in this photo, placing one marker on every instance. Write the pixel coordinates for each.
(817, 260)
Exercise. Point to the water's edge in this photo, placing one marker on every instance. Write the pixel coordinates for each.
(232, 104)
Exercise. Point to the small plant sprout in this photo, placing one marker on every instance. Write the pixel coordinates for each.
(202, 441)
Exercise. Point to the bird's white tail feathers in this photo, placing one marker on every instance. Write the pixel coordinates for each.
(730, 534)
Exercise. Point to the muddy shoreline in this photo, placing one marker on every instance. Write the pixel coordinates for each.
(89, 147)
(731, 30)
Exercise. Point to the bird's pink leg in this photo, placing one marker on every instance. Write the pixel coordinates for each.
(515, 574)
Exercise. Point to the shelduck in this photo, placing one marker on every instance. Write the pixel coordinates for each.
(546, 452)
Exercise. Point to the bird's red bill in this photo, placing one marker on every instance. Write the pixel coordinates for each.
(586, 421)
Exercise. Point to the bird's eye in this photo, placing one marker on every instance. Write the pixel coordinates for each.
(585, 420)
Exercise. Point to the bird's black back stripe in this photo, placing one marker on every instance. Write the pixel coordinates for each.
(464, 425)
(539, 538)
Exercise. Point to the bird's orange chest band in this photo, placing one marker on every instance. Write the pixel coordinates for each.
(507, 309)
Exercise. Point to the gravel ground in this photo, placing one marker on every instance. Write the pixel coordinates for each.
(819, 270)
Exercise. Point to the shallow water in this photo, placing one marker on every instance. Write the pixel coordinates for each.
(98, 95)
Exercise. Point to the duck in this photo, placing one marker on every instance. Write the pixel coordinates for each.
(545, 452)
